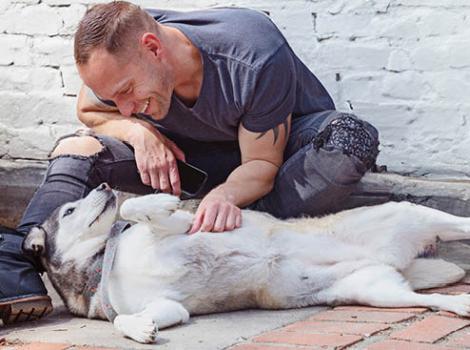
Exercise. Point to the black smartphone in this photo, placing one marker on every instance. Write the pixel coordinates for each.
(192, 179)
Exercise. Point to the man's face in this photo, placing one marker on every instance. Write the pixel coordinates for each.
(142, 83)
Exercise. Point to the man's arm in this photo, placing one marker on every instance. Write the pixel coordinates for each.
(154, 153)
(104, 119)
(262, 156)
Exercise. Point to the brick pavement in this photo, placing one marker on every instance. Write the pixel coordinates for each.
(347, 327)
(361, 327)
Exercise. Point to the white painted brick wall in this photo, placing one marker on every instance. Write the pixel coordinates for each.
(404, 65)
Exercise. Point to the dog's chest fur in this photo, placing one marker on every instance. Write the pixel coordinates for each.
(79, 286)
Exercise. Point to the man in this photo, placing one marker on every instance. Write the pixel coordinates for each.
(220, 89)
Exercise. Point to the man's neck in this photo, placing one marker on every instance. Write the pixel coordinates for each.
(188, 65)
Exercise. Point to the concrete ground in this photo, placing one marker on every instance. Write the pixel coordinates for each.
(351, 327)
(217, 331)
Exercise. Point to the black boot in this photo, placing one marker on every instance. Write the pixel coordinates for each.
(22, 293)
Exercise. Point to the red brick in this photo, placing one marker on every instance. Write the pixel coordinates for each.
(38, 346)
(430, 329)
(362, 316)
(447, 314)
(92, 348)
(335, 340)
(269, 347)
(412, 310)
(455, 289)
(403, 345)
(461, 338)
(364, 329)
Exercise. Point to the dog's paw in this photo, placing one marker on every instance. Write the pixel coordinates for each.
(141, 329)
(149, 208)
(459, 304)
(171, 315)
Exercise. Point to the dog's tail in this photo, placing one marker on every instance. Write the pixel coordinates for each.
(432, 273)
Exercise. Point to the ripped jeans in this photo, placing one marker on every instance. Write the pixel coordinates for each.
(326, 156)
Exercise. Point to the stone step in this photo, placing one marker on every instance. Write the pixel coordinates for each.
(20, 178)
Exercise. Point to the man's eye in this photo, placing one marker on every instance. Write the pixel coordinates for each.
(68, 212)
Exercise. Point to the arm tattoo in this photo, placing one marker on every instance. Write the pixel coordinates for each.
(276, 131)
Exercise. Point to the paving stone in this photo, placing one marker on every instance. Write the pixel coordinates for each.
(402, 345)
(460, 338)
(37, 346)
(270, 347)
(91, 348)
(447, 314)
(430, 329)
(364, 329)
(413, 310)
(333, 340)
(362, 316)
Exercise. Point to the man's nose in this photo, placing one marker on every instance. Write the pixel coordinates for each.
(126, 108)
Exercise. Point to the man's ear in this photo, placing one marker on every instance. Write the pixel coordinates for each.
(35, 241)
(151, 42)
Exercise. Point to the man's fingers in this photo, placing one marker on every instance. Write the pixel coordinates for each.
(144, 175)
(155, 180)
(209, 218)
(197, 223)
(164, 182)
(238, 219)
(221, 220)
(175, 179)
(231, 222)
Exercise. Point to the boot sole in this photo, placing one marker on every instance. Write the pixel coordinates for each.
(26, 309)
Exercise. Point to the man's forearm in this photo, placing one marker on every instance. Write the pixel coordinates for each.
(248, 182)
(115, 125)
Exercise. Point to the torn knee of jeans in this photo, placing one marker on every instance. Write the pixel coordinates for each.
(83, 154)
(352, 136)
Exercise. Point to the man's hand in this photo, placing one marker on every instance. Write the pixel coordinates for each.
(216, 213)
(154, 153)
(156, 156)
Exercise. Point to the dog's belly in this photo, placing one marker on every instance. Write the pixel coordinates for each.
(220, 272)
(200, 271)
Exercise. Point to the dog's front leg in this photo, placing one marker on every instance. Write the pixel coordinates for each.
(159, 211)
(143, 326)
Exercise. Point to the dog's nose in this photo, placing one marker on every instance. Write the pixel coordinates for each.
(103, 187)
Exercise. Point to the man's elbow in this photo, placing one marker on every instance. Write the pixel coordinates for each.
(269, 178)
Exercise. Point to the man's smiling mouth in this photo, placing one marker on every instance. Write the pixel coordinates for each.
(146, 105)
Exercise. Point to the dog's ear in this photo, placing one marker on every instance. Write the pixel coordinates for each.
(35, 241)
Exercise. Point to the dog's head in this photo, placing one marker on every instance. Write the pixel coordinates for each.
(75, 229)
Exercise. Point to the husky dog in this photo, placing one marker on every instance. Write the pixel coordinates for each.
(158, 275)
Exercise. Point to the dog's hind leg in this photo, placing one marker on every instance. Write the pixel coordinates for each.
(397, 232)
(159, 211)
(362, 224)
(143, 326)
(383, 286)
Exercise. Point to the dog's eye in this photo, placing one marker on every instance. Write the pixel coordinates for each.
(68, 212)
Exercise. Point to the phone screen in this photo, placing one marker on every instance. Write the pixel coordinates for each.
(192, 178)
